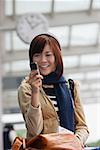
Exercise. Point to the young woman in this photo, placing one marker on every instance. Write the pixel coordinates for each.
(45, 98)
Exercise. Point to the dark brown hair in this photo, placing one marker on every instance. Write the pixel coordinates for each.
(37, 45)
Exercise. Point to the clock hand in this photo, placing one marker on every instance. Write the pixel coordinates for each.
(31, 23)
(28, 21)
(36, 24)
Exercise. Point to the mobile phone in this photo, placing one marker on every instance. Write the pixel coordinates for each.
(34, 66)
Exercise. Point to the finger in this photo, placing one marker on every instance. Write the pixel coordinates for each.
(39, 76)
(35, 80)
(38, 83)
(33, 73)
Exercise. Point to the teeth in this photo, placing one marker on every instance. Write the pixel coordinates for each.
(44, 66)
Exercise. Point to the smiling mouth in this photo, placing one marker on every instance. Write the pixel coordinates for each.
(44, 67)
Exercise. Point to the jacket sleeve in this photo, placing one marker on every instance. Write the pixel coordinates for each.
(32, 116)
(81, 129)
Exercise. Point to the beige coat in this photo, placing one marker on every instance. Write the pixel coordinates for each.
(44, 119)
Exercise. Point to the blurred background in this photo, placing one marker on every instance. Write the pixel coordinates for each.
(76, 24)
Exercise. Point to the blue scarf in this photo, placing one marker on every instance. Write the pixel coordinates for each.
(64, 100)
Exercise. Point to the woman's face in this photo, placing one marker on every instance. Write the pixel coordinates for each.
(45, 60)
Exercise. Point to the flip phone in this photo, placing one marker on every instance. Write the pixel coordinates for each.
(34, 66)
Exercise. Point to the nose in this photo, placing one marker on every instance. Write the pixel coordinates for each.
(43, 58)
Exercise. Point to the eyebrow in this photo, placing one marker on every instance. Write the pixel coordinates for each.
(49, 51)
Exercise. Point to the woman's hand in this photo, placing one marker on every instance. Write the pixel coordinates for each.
(35, 80)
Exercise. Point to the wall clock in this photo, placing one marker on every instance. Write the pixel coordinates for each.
(30, 25)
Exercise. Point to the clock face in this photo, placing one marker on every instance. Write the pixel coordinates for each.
(30, 25)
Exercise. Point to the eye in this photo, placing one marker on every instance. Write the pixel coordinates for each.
(37, 55)
(49, 54)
